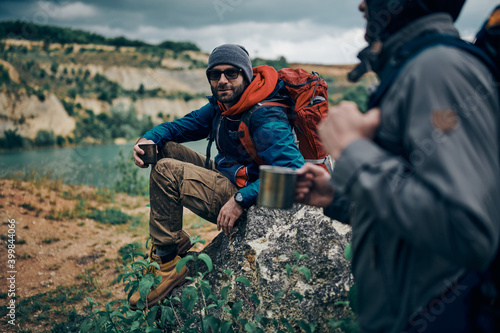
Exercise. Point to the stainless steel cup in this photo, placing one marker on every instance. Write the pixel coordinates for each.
(277, 187)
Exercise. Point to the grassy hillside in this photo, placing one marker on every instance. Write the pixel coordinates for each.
(110, 88)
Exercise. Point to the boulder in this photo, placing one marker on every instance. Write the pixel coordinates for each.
(260, 250)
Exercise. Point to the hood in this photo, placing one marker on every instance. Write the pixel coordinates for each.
(387, 16)
(264, 81)
(376, 55)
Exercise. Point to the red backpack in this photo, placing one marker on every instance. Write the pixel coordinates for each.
(307, 105)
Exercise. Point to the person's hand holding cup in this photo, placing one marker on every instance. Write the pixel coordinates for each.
(145, 153)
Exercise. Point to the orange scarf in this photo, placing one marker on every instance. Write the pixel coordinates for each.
(264, 81)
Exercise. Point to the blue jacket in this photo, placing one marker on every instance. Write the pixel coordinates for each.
(271, 134)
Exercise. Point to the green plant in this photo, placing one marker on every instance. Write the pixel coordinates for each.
(60, 140)
(111, 216)
(58, 307)
(4, 75)
(359, 95)
(129, 180)
(50, 240)
(198, 309)
(54, 67)
(69, 107)
(27, 206)
(137, 276)
(12, 140)
(349, 324)
(130, 251)
(40, 94)
(278, 64)
(45, 138)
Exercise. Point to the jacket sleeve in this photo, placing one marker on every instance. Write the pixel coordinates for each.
(444, 197)
(196, 125)
(339, 209)
(275, 144)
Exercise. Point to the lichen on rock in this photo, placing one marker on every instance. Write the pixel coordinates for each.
(263, 245)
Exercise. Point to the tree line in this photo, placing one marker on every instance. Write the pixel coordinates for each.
(53, 34)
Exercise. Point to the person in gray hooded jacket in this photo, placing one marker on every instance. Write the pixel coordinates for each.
(418, 178)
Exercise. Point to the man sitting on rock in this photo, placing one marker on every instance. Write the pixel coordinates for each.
(229, 184)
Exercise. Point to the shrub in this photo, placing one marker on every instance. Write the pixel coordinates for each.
(178, 46)
(278, 64)
(111, 216)
(198, 309)
(40, 94)
(53, 67)
(60, 140)
(358, 95)
(141, 90)
(129, 180)
(98, 78)
(72, 92)
(4, 75)
(13, 140)
(129, 251)
(69, 107)
(30, 64)
(104, 96)
(45, 138)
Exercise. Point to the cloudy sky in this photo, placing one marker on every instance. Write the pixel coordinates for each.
(313, 31)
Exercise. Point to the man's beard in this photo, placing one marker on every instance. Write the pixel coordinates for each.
(230, 96)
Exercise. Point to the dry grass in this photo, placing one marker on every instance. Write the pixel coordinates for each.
(59, 250)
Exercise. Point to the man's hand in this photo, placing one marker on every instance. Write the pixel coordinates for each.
(228, 215)
(313, 186)
(346, 124)
(138, 151)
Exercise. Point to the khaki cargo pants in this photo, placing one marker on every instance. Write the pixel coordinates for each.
(178, 180)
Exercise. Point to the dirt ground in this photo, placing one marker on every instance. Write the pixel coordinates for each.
(54, 247)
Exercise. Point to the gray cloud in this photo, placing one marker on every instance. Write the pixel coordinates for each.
(321, 31)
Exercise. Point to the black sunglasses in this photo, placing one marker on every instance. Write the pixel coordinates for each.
(230, 74)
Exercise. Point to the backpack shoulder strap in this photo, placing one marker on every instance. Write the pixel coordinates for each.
(210, 139)
(412, 49)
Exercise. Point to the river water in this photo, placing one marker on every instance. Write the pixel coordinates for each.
(84, 165)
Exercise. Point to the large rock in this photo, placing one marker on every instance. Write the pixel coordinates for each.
(260, 250)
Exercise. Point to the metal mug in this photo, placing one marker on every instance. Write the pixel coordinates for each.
(277, 187)
(149, 156)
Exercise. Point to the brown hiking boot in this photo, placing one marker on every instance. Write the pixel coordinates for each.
(184, 245)
(170, 280)
(182, 248)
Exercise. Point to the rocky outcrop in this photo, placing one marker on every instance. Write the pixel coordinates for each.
(93, 104)
(29, 115)
(13, 74)
(173, 108)
(261, 248)
(191, 81)
(172, 63)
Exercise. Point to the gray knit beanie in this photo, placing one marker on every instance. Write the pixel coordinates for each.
(232, 54)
